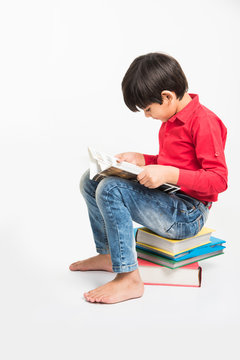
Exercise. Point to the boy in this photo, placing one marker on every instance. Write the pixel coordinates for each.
(191, 155)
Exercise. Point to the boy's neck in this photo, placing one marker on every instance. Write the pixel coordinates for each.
(183, 102)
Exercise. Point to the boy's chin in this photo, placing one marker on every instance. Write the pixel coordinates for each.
(163, 120)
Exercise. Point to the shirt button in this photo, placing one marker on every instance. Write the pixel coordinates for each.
(217, 153)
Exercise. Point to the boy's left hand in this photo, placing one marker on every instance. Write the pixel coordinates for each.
(153, 176)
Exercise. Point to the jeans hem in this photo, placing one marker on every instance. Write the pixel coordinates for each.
(125, 268)
(102, 251)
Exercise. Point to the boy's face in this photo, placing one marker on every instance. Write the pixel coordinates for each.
(164, 111)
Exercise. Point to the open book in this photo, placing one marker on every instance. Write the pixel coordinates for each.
(102, 165)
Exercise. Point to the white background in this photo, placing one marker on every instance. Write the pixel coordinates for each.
(62, 63)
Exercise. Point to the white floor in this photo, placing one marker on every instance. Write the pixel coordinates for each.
(43, 314)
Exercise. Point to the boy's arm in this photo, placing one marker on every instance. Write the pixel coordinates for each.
(150, 159)
(209, 137)
(153, 176)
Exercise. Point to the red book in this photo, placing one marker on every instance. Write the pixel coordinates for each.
(154, 274)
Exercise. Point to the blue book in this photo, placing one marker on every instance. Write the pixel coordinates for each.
(215, 245)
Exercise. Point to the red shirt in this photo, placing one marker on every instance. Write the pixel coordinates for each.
(193, 140)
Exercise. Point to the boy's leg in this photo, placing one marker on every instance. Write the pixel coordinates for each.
(121, 201)
(103, 260)
(88, 190)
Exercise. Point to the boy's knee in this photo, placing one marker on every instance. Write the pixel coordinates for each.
(83, 185)
(106, 187)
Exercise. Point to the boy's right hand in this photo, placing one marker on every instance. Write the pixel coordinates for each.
(131, 157)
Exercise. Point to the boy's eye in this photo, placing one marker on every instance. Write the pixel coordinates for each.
(148, 109)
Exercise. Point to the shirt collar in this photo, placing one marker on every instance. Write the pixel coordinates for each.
(186, 113)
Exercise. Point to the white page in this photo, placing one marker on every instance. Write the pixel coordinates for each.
(100, 161)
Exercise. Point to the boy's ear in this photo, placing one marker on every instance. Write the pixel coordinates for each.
(168, 96)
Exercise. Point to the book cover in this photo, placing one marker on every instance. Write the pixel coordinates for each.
(153, 274)
(172, 246)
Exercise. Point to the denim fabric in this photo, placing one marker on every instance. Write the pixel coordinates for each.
(113, 203)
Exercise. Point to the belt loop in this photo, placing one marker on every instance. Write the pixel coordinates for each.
(209, 205)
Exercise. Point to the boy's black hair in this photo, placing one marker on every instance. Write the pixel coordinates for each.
(148, 76)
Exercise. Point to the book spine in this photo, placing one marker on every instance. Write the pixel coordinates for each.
(200, 276)
(98, 177)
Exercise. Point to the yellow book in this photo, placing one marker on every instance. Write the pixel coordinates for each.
(172, 247)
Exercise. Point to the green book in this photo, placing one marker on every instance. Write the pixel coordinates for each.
(160, 260)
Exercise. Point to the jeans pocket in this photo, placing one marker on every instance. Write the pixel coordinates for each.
(192, 228)
(182, 230)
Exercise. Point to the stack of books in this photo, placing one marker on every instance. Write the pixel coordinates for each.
(164, 261)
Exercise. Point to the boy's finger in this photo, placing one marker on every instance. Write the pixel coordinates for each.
(144, 182)
(119, 158)
(141, 175)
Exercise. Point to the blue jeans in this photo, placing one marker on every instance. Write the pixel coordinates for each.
(113, 203)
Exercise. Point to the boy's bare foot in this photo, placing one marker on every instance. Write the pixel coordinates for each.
(125, 286)
(98, 262)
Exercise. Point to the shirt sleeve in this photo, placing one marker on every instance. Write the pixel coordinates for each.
(209, 137)
(150, 159)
